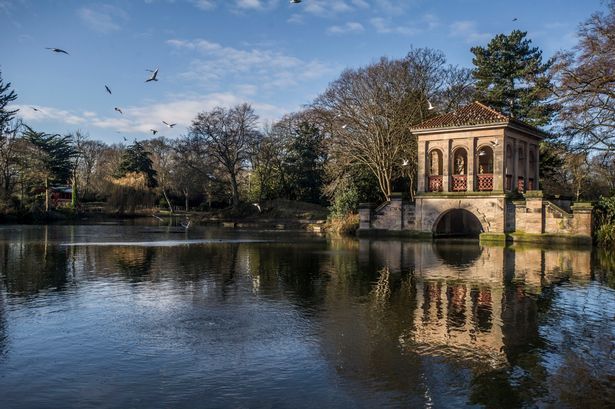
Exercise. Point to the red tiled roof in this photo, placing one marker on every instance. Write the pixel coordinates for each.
(472, 114)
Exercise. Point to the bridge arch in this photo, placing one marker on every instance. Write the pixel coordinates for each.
(457, 222)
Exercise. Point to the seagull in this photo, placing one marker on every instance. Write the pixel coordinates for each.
(154, 131)
(495, 143)
(169, 125)
(515, 19)
(257, 206)
(344, 126)
(108, 89)
(35, 109)
(404, 162)
(125, 140)
(118, 110)
(153, 76)
(295, 1)
(430, 107)
(56, 50)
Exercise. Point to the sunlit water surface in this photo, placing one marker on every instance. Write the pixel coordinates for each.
(129, 316)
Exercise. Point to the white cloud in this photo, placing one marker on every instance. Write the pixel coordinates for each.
(327, 7)
(248, 4)
(350, 27)
(44, 113)
(269, 68)
(140, 119)
(386, 26)
(468, 32)
(103, 18)
(205, 4)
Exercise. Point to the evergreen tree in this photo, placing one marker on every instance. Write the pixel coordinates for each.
(6, 96)
(50, 159)
(512, 78)
(304, 164)
(135, 159)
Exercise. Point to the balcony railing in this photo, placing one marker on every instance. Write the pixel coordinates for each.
(484, 182)
(459, 183)
(435, 183)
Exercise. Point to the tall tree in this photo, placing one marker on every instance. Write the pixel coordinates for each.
(162, 162)
(586, 85)
(511, 77)
(8, 137)
(6, 96)
(227, 135)
(369, 111)
(304, 163)
(49, 159)
(136, 159)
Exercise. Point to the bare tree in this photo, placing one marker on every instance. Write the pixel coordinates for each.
(162, 155)
(91, 153)
(370, 111)
(586, 85)
(226, 135)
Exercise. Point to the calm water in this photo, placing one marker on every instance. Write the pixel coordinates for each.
(113, 316)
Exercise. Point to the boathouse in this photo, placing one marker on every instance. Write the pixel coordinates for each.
(478, 175)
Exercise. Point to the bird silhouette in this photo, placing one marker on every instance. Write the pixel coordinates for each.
(515, 19)
(169, 125)
(154, 131)
(35, 109)
(118, 110)
(295, 1)
(57, 50)
(108, 89)
(153, 76)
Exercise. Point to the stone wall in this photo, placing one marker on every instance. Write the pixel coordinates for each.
(394, 215)
(537, 216)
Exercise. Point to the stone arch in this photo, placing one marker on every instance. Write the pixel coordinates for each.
(458, 222)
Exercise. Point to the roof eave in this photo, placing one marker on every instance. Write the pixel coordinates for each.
(514, 124)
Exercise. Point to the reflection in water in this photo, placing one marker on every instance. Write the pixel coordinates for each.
(249, 319)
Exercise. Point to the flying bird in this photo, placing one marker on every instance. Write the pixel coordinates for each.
(515, 19)
(153, 76)
(344, 126)
(405, 162)
(35, 109)
(154, 131)
(108, 89)
(430, 107)
(169, 125)
(495, 143)
(56, 50)
(257, 206)
(118, 110)
(295, 1)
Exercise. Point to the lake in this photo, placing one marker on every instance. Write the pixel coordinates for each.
(153, 316)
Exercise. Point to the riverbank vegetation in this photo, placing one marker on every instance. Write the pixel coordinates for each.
(352, 144)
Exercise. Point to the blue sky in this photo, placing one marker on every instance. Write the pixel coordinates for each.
(275, 55)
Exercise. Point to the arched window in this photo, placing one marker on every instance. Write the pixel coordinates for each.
(434, 170)
(484, 170)
(460, 170)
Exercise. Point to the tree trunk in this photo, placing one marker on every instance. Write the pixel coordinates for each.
(235, 190)
(46, 194)
(73, 197)
(186, 197)
(164, 193)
